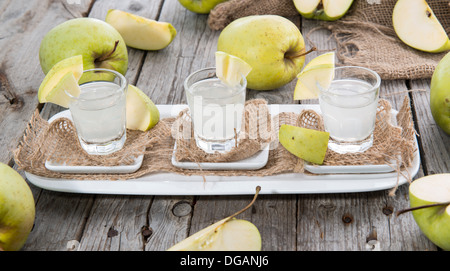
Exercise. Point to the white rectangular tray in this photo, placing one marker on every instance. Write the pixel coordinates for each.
(175, 184)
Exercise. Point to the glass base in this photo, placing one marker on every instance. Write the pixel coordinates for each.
(103, 148)
(215, 146)
(350, 147)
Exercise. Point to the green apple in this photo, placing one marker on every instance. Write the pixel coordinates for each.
(17, 209)
(272, 45)
(430, 205)
(139, 32)
(416, 25)
(327, 10)
(308, 144)
(97, 41)
(440, 94)
(200, 6)
(142, 113)
(228, 234)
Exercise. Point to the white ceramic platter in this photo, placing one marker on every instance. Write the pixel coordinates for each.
(291, 183)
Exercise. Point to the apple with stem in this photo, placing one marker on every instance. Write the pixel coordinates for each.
(98, 42)
(227, 234)
(430, 205)
(272, 45)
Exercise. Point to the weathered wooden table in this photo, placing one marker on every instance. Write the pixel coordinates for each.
(66, 221)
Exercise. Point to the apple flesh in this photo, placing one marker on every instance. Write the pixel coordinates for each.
(416, 25)
(326, 10)
(440, 94)
(139, 32)
(17, 209)
(272, 45)
(200, 6)
(97, 41)
(433, 221)
(142, 113)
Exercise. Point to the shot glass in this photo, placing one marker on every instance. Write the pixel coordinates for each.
(99, 113)
(216, 110)
(349, 108)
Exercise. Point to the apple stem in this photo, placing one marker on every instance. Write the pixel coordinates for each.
(258, 188)
(422, 207)
(105, 57)
(301, 54)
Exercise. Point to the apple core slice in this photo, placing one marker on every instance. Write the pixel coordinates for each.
(230, 69)
(139, 32)
(308, 144)
(72, 65)
(142, 113)
(416, 25)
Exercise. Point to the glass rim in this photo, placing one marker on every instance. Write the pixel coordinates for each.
(372, 89)
(188, 89)
(122, 86)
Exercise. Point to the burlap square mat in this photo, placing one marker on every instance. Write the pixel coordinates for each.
(365, 35)
(393, 144)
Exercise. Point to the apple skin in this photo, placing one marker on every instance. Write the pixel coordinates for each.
(440, 94)
(271, 44)
(200, 6)
(17, 209)
(92, 38)
(434, 222)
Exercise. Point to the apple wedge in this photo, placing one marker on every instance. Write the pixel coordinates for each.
(309, 144)
(139, 32)
(430, 205)
(416, 25)
(142, 113)
(230, 69)
(229, 234)
(327, 10)
(62, 77)
(309, 80)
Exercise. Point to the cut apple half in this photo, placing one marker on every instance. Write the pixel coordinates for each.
(139, 32)
(62, 77)
(228, 234)
(309, 81)
(416, 25)
(327, 10)
(142, 113)
(308, 144)
(230, 69)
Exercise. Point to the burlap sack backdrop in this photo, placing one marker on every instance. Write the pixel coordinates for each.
(57, 141)
(365, 35)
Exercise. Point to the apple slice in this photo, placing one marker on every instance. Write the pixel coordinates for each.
(139, 32)
(430, 205)
(308, 144)
(229, 234)
(327, 10)
(142, 113)
(327, 58)
(63, 92)
(417, 26)
(73, 65)
(230, 69)
(308, 81)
